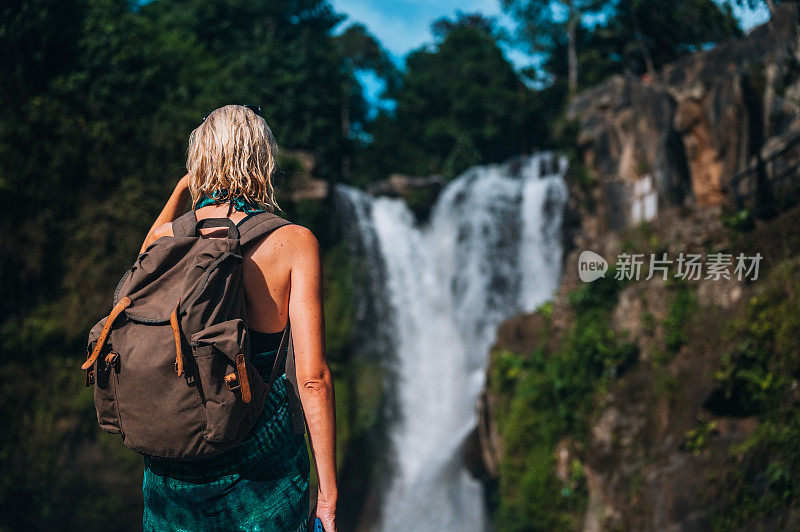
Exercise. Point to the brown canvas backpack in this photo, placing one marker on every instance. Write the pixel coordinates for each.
(171, 363)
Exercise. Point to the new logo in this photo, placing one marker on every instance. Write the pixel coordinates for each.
(591, 266)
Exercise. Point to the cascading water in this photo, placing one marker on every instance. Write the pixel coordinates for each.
(491, 249)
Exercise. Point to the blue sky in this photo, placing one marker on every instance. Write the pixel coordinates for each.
(403, 25)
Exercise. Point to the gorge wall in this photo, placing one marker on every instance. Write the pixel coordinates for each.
(694, 125)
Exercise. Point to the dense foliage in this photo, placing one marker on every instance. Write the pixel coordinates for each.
(759, 376)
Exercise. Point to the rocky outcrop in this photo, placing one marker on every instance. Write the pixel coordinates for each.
(695, 124)
(683, 136)
(638, 472)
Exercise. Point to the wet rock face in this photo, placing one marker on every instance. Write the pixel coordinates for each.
(697, 123)
(626, 131)
(640, 469)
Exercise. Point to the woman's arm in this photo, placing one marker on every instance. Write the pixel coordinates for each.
(313, 374)
(173, 208)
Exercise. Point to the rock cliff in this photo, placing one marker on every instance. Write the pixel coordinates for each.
(695, 124)
(613, 408)
(647, 440)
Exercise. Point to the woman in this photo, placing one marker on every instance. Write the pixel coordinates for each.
(261, 484)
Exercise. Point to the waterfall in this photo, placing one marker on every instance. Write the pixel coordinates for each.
(490, 250)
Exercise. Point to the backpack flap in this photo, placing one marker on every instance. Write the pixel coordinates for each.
(228, 338)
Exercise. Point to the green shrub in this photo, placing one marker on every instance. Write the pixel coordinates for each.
(546, 396)
(682, 307)
(697, 438)
(759, 376)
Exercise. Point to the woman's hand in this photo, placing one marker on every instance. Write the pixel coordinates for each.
(326, 511)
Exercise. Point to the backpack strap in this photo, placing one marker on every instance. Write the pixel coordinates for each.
(286, 353)
(293, 392)
(184, 225)
(251, 228)
(124, 303)
(279, 356)
(256, 226)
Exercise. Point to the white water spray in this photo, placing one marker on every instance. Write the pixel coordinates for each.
(491, 250)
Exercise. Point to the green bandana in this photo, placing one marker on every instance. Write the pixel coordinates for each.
(239, 203)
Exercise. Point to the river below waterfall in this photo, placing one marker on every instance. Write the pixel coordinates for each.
(491, 249)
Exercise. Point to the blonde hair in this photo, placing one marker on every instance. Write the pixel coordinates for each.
(232, 153)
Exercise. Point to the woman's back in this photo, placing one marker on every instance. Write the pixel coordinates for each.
(230, 161)
(267, 268)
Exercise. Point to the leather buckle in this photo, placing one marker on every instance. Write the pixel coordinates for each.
(232, 381)
(111, 360)
(89, 378)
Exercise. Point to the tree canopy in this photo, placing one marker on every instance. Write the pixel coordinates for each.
(459, 103)
(584, 42)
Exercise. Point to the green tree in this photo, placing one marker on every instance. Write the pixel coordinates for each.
(279, 54)
(459, 103)
(640, 37)
(542, 22)
(361, 52)
(656, 32)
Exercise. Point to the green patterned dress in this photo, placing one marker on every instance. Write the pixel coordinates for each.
(260, 485)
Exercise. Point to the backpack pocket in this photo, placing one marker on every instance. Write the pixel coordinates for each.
(225, 386)
(103, 373)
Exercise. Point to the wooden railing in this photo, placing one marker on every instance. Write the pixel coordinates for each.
(772, 184)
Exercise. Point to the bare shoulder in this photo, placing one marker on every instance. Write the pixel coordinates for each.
(300, 240)
(291, 241)
(300, 236)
